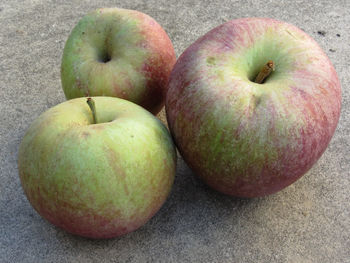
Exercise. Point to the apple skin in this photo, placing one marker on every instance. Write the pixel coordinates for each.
(247, 139)
(97, 180)
(118, 53)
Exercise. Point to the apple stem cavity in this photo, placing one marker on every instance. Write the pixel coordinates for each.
(265, 72)
(91, 104)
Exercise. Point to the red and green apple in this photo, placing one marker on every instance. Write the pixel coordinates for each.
(119, 53)
(252, 105)
(97, 173)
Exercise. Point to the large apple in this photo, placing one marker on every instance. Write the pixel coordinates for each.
(97, 180)
(119, 53)
(252, 105)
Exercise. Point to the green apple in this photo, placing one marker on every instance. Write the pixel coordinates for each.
(97, 180)
(119, 53)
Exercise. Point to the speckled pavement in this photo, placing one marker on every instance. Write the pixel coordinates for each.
(307, 222)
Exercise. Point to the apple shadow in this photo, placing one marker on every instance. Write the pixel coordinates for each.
(192, 205)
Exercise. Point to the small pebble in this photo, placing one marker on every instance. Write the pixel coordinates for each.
(332, 50)
(321, 32)
(338, 35)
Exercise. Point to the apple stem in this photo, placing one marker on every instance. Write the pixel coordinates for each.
(265, 72)
(91, 104)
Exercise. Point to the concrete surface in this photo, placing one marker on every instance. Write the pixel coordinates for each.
(307, 222)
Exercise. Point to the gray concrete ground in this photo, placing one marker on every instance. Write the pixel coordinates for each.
(307, 222)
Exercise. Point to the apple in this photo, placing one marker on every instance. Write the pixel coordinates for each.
(97, 180)
(252, 105)
(119, 53)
